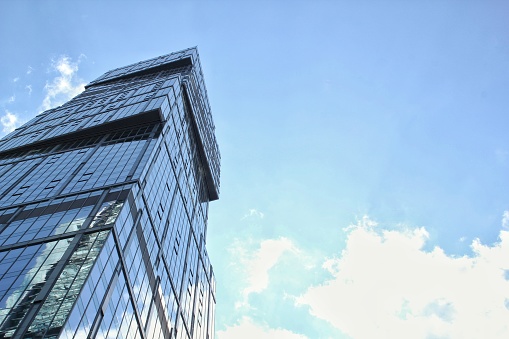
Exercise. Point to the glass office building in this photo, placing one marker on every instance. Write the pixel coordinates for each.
(103, 210)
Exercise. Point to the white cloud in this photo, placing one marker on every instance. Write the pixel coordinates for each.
(9, 122)
(254, 266)
(253, 213)
(262, 261)
(29, 88)
(65, 86)
(12, 98)
(247, 329)
(16, 79)
(385, 285)
(29, 70)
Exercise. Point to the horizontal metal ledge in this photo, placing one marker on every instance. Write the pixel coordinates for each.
(101, 188)
(170, 65)
(108, 127)
(55, 237)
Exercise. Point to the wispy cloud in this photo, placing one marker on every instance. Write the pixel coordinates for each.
(12, 98)
(9, 122)
(247, 329)
(501, 155)
(385, 285)
(16, 79)
(505, 220)
(29, 70)
(253, 212)
(65, 86)
(29, 88)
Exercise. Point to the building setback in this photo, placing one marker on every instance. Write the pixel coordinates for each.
(103, 210)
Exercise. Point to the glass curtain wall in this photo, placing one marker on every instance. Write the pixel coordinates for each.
(103, 210)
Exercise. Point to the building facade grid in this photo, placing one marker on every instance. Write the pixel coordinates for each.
(103, 210)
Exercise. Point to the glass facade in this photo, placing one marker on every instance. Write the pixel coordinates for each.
(103, 210)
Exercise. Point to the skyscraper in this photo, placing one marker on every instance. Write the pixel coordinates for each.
(103, 209)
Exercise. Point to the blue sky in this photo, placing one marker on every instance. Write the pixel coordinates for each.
(365, 153)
